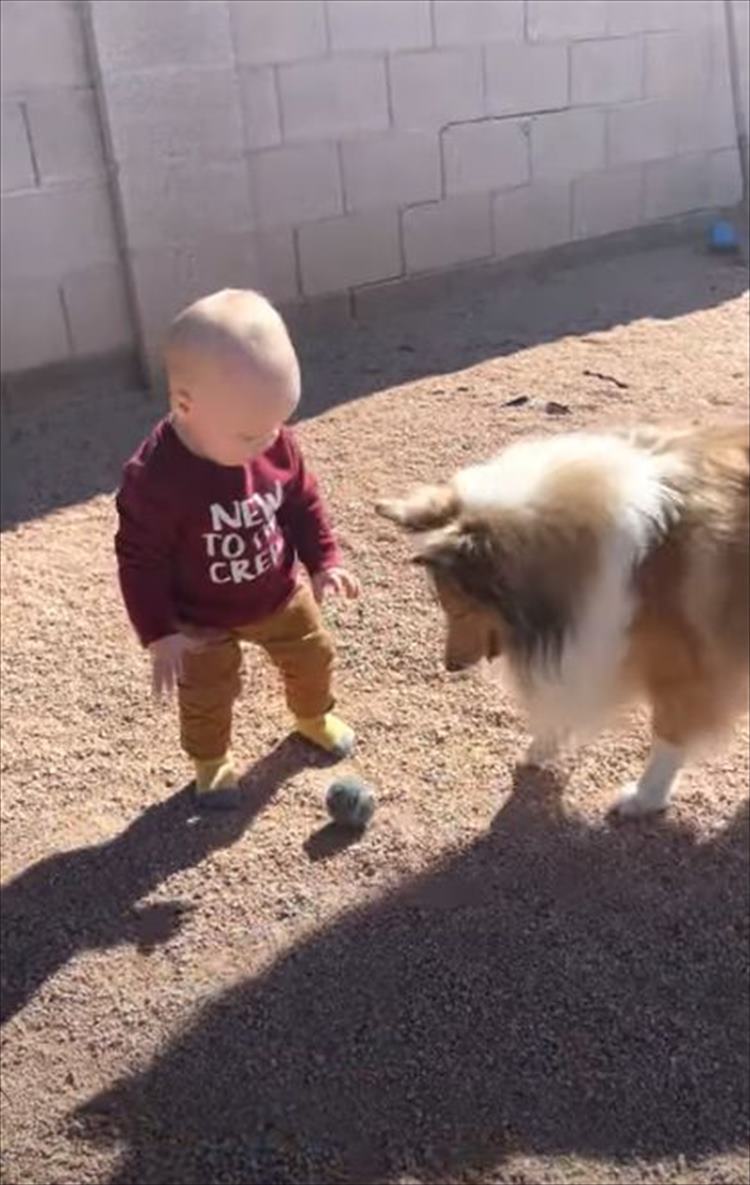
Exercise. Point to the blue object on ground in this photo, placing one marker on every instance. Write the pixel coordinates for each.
(723, 237)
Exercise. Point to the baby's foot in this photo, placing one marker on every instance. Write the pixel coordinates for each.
(216, 785)
(328, 733)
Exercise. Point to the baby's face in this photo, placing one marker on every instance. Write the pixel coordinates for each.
(232, 413)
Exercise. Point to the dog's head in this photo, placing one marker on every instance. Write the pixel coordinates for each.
(474, 628)
(503, 577)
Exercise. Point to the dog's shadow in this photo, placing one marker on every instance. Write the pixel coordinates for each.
(88, 898)
(553, 988)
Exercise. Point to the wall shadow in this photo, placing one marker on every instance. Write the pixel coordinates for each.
(58, 451)
(554, 988)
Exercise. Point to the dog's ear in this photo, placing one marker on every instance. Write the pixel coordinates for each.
(454, 551)
(428, 507)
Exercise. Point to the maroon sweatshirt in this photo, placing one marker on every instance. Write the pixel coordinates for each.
(215, 545)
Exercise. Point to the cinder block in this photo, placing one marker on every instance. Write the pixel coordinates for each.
(430, 90)
(447, 233)
(642, 132)
(277, 264)
(725, 177)
(706, 120)
(642, 16)
(278, 30)
(346, 252)
(741, 11)
(184, 202)
(478, 22)
(698, 14)
(66, 135)
(97, 310)
(17, 167)
(742, 16)
(41, 45)
(379, 24)
(165, 280)
(172, 114)
(491, 154)
(556, 20)
(677, 186)
(524, 78)
(333, 97)
(718, 44)
(295, 184)
(744, 103)
(607, 202)
(169, 33)
(608, 71)
(50, 232)
(260, 106)
(533, 218)
(32, 322)
(567, 143)
(395, 169)
(676, 62)
(744, 94)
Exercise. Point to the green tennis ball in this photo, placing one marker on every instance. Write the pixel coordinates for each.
(350, 802)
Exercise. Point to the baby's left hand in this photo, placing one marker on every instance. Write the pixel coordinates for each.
(337, 581)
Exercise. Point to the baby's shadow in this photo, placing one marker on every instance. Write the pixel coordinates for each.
(261, 782)
(87, 898)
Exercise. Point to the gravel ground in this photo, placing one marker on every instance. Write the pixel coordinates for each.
(498, 983)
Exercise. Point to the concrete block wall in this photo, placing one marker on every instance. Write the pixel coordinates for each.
(740, 41)
(63, 287)
(318, 147)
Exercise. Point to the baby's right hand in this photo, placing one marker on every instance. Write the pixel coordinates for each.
(167, 662)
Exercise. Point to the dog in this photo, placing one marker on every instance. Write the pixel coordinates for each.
(601, 569)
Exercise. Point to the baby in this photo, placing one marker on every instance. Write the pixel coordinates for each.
(216, 508)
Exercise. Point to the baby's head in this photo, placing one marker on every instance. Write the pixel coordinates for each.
(233, 375)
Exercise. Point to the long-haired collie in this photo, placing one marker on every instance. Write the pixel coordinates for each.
(601, 568)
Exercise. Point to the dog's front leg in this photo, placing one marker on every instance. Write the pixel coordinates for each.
(652, 791)
(543, 749)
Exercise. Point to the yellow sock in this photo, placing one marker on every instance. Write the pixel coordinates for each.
(328, 733)
(217, 780)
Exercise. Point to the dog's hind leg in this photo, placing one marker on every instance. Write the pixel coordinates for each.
(684, 714)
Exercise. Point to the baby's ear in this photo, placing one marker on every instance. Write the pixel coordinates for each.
(426, 508)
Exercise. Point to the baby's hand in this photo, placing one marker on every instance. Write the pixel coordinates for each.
(335, 580)
(168, 656)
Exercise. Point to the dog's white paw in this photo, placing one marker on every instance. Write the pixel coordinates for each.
(632, 803)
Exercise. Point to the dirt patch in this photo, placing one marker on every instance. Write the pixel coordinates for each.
(496, 983)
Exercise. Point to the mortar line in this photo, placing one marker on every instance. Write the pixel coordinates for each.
(30, 142)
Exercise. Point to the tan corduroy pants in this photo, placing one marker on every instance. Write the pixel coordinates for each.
(298, 645)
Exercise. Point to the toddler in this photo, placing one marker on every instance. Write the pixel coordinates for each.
(216, 509)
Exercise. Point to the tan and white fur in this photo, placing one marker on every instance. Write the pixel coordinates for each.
(601, 568)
